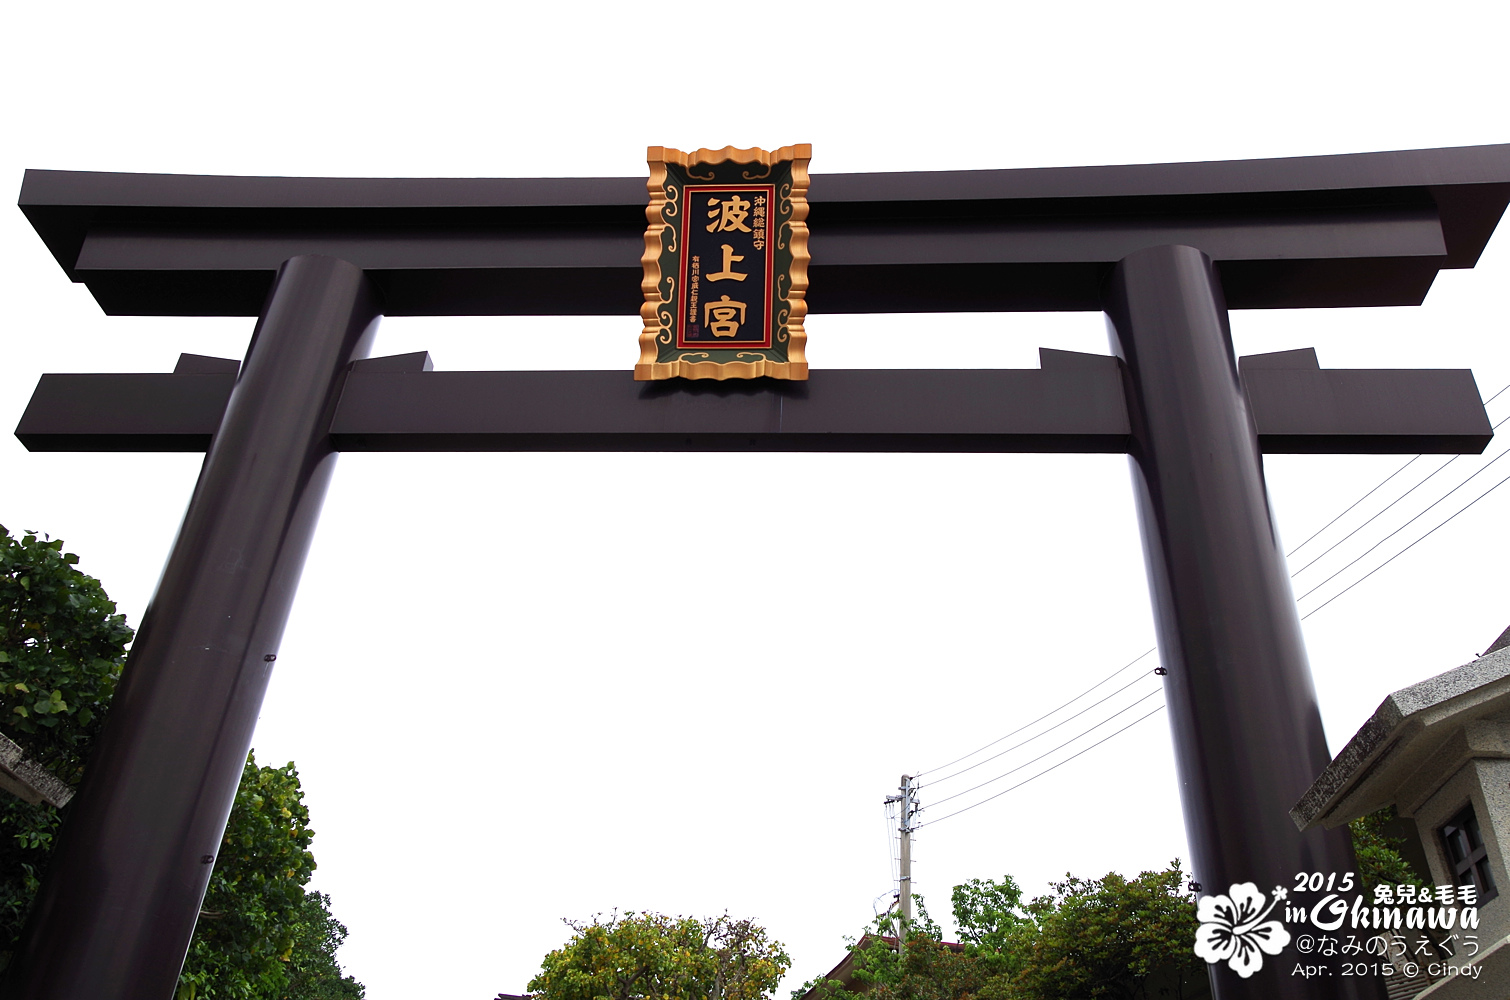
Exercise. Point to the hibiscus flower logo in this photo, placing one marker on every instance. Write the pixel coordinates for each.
(1233, 929)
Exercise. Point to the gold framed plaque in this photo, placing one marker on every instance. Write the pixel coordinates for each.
(725, 264)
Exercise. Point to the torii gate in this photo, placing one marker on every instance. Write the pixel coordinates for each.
(1164, 250)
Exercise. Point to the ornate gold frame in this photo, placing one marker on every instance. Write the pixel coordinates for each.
(659, 217)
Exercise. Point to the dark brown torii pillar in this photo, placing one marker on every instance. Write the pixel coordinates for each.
(117, 909)
(1228, 629)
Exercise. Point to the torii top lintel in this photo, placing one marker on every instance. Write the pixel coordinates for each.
(1350, 230)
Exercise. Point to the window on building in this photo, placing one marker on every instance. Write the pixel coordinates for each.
(1467, 855)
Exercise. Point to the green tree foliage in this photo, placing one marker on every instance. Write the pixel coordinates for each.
(992, 923)
(1113, 937)
(650, 956)
(26, 838)
(247, 922)
(260, 936)
(1377, 848)
(313, 973)
(62, 646)
(260, 933)
(925, 969)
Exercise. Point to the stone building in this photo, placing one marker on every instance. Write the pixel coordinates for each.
(26, 779)
(1439, 753)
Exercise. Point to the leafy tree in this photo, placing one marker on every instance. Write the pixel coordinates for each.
(650, 956)
(992, 922)
(260, 936)
(313, 973)
(926, 969)
(1377, 848)
(987, 912)
(26, 838)
(1113, 937)
(246, 928)
(260, 933)
(62, 645)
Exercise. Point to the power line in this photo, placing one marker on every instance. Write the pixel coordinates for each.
(1355, 503)
(891, 840)
(1371, 492)
(1130, 664)
(1403, 551)
(1046, 753)
(1045, 715)
(1402, 527)
(1030, 739)
(1045, 770)
(1380, 514)
(1376, 517)
(1355, 583)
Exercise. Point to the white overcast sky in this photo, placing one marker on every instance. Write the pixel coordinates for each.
(495, 727)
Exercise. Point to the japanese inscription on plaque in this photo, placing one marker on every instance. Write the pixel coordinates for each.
(725, 264)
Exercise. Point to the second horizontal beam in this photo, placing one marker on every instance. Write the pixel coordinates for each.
(1074, 404)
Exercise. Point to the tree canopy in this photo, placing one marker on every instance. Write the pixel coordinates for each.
(1113, 937)
(1377, 848)
(313, 973)
(990, 918)
(650, 956)
(62, 646)
(261, 935)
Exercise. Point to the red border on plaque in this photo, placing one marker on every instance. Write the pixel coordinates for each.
(770, 262)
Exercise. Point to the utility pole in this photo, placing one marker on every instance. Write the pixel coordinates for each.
(907, 799)
(904, 882)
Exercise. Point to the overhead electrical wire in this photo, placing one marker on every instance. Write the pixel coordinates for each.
(1133, 662)
(1128, 666)
(891, 842)
(1030, 739)
(1350, 506)
(1145, 697)
(1045, 770)
(1407, 524)
(1403, 551)
(1396, 500)
(1376, 489)
(1051, 750)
